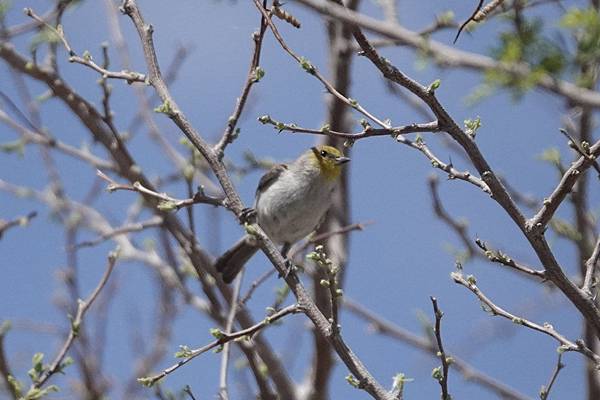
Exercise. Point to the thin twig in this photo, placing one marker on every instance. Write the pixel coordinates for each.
(498, 256)
(254, 75)
(86, 60)
(459, 227)
(129, 228)
(33, 136)
(540, 220)
(468, 372)
(591, 266)
(311, 69)
(19, 221)
(188, 390)
(223, 393)
(545, 390)
(5, 371)
(471, 18)
(82, 308)
(547, 329)
(298, 250)
(223, 338)
(580, 149)
(442, 377)
(488, 9)
(166, 202)
(367, 132)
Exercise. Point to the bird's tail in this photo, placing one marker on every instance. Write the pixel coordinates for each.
(233, 260)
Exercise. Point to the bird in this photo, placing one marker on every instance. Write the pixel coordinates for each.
(290, 202)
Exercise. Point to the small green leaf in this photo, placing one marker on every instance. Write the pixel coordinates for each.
(434, 86)
(217, 333)
(307, 66)
(184, 352)
(146, 381)
(436, 373)
(165, 108)
(258, 74)
(167, 206)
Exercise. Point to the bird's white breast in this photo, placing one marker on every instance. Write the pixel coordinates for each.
(291, 208)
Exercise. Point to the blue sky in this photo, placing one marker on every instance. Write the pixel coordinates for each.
(395, 264)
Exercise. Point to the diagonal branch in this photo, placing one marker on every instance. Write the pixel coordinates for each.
(547, 329)
(220, 341)
(19, 221)
(540, 220)
(82, 308)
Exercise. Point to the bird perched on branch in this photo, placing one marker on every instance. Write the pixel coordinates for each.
(291, 201)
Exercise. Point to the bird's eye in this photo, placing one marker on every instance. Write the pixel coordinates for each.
(323, 153)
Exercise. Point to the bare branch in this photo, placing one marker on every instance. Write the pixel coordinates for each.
(129, 228)
(545, 391)
(254, 75)
(547, 329)
(469, 373)
(442, 377)
(86, 60)
(19, 221)
(166, 202)
(82, 308)
(311, 69)
(5, 371)
(539, 221)
(471, 18)
(498, 256)
(223, 393)
(591, 266)
(222, 339)
(368, 131)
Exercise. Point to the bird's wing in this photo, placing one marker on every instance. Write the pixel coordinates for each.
(269, 177)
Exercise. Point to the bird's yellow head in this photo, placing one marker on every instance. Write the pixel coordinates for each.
(329, 160)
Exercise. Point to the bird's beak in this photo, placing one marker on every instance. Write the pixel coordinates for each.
(341, 160)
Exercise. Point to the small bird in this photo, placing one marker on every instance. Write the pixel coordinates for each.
(291, 201)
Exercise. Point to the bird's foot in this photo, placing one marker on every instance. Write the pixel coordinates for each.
(289, 268)
(248, 215)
